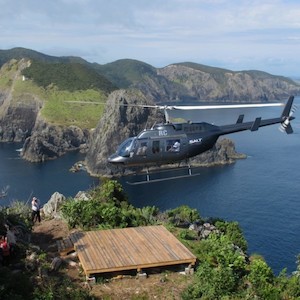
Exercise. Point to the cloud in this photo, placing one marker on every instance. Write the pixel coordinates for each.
(157, 32)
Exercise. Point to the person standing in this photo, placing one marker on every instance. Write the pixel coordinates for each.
(35, 207)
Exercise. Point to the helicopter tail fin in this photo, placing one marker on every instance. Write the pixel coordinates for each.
(287, 116)
(240, 119)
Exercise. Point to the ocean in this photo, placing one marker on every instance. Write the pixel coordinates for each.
(26, 179)
(260, 192)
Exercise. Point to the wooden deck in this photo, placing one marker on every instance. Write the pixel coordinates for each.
(129, 249)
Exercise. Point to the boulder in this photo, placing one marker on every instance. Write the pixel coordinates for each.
(56, 263)
(51, 208)
(82, 196)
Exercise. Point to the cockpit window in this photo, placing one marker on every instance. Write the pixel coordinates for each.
(126, 147)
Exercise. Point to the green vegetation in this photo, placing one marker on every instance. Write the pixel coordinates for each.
(108, 208)
(64, 107)
(224, 270)
(67, 76)
(19, 53)
(7, 74)
(85, 115)
(125, 72)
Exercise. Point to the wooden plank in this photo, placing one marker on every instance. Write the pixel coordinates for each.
(121, 248)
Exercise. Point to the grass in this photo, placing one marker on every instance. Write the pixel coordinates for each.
(57, 110)
(7, 74)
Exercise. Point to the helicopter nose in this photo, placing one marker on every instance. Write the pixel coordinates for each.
(115, 159)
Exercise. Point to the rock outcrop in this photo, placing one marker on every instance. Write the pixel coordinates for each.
(223, 153)
(52, 207)
(51, 141)
(120, 121)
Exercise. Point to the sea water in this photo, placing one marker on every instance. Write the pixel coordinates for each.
(25, 179)
(260, 192)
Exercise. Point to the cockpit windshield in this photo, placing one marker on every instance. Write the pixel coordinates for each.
(126, 147)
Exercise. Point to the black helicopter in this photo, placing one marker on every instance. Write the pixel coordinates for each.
(170, 142)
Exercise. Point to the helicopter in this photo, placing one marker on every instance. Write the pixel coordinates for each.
(169, 142)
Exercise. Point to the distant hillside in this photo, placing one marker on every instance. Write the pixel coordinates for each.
(19, 53)
(178, 82)
(125, 72)
(195, 82)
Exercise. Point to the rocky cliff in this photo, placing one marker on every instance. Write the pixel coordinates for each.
(119, 121)
(195, 82)
(51, 141)
(192, 82)
(17, 114)
(20, 120)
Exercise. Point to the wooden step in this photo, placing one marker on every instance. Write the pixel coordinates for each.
(65, 246)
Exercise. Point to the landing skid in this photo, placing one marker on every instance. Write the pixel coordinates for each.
(152, 180)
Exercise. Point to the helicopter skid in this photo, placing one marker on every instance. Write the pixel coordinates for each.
(159, 172)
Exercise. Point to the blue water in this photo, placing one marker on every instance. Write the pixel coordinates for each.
(260, 192)
(26, 179)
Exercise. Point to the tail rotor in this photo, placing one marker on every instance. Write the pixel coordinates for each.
(287, 116)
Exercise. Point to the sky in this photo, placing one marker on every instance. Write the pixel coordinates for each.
(236, 35)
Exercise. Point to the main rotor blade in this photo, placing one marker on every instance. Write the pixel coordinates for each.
(186, 107)
(224, 106)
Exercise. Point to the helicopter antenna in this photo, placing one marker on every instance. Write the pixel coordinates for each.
(146, 125)
(153, 125)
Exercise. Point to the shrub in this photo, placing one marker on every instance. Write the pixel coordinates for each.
(183, 215)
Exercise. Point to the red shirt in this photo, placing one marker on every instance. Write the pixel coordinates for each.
(5, 248)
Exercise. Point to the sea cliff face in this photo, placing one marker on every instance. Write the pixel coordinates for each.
(51, 141)
(17, 115)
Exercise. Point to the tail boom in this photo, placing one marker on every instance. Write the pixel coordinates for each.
(285, 119)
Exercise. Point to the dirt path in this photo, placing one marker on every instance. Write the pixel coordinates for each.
(46, 233)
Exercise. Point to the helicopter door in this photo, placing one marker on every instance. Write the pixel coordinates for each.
(141, 148)
(155, 147)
